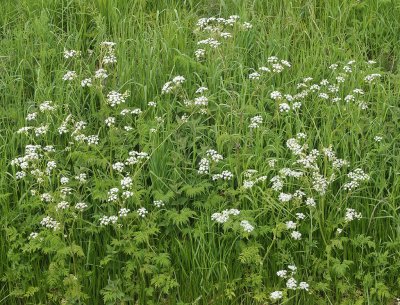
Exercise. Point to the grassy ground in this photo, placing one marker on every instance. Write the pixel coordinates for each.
(177, 253)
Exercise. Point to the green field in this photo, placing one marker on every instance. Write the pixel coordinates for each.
(206, 152)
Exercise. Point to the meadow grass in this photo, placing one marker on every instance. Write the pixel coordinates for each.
(192, 236)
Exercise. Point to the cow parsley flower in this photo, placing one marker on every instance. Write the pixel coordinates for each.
(33, 235)
(214, 155)
(247, 25)
(142, 212)
(64, 180)
(50, 223)
(123, 212)
(284, 197)
(290, 225)
(100, 74)
(47, 106)
(109, 59)
(81, 177)
(291, 283)
(254, 76)
(80, 206)
(31, 116)
(247, 184)
(370, 78)
(106, 220)
(92, 140)
(115, 98)
(63, 205)
(69, 76)
(296, 235)
(247, 227)
(255, 122)
(126, 182)
(200, 54)
(20, 175)
(87, 82)
(276, 295)
(71, 53)
(158, 203)
(304, 286)
(225, 175)
(276, 95)
(110, 121)
(351, 214)
(356, 177)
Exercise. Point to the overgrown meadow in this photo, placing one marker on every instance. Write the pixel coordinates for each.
(200, 152)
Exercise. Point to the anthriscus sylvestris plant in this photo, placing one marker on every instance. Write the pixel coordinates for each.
(237, 177)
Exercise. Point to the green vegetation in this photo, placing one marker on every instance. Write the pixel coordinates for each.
(153, 157)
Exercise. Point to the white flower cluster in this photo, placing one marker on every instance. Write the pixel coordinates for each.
(247, 184)
(118, 166)
(80, 206)
(50, 223)
(142, 212)
(69, 76)
(33, 235)
(336, 162)
(115, 98)
(287, 172)
(81, 177)
(214, 155)
(201, 101)
(47, 106)
(173, 85)
(110, 121)
(371, 77)
(352, 214)
(33, 161)
(291, 225)
(356, 177)
(224, 215)
(247, 227)
(158, 203)
(100, 74)
(123, 212)
(255, 122)
(126, 111)
(276, 295)
(275, 65)
(204, 164)
(283, 197)
(92, 140)
(109, 57)
(295, 147)
(291, 282)
(126, 182)
(106, 220)
(63, 205)
(216, 28)
(225, 175)
(71, 54)
(311, 202)
(86, 82)
(136, 157)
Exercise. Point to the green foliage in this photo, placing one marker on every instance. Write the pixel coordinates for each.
(179, 250)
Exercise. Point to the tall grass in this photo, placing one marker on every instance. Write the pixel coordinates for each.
(177, 254)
